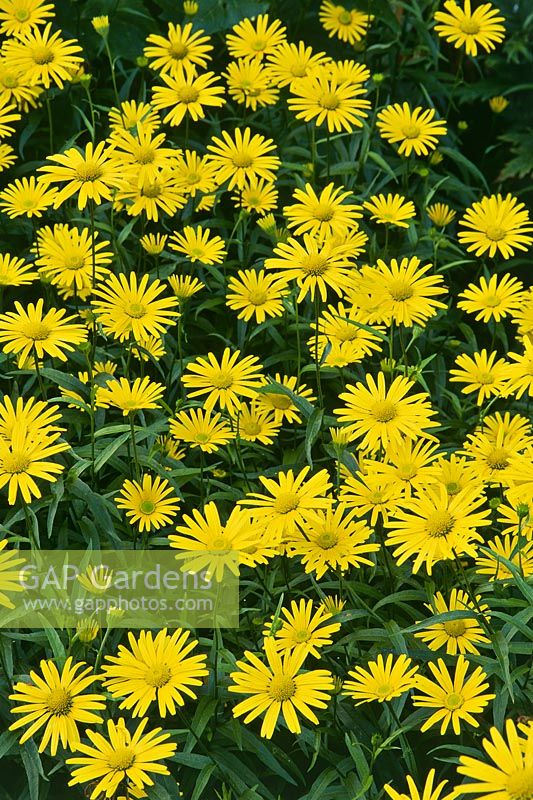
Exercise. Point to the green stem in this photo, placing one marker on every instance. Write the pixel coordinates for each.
(50, 123)
(113, 77)
(39, 376)
(317, 360)
(131, 416)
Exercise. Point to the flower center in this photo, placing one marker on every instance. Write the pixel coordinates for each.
(145, 155)
(384, 411)
(400, 290)
(193, 178)
(88, 171)
(135, 310)
(494, 233)
(280, 401)
(259, 45)
(22, 14)
(59, 702)
(223, 380)
(324, 212)
(121, 759)
(282, 688)
(178, 50)
(329, 100)
(147, 507)
(38, 331)
(15, 462)
(492, 300)
(383, 690)
(251, 428)
(221, 544)
(453, 487)
(498, 458)
(486, 378)
(327, 540)
(158, 676)
(187, 94)
(469, 26)
(258, 297)
(286, 502)
(406, 472)
(520, 784)
(74, 262)
(42, 55)
(302, 636)
(243, 160)
(151, 190)
(454, 701)
(455, 628)
(344, 17)
(440, 524)
(411, 131)
(10, 81)
(315, 264)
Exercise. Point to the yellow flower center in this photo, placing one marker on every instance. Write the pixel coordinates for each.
(258, 297)
(520, 784)
(147, 507)
(315, 264)
(280, 401)
(455, 628)
(492, 300)
(187, 94)
(376, 497)
(251, 428)
(486, 378)
(193, 178)
(327, 540)
(344, 17)
(298, 70)
(121, 759)
(411, 131)
(22, 14)
(202, 438)
(407, 472)
(384, 411)
(282, 688)
(329, 100)
(222, 380)
(15, 462)
(151, 190)
(42, 54)
(145, 155)
(302, 636)
(88, 171)
(453, 701)
(286, 502)
(59, 702)
(10, 81)
(383, 690)
(243, 160)
(346, 333)
(135, 310)
(158, 676)
(324, 212)
(400, 290)
(74, 262)
(259, 45)
(221, 544)
(495, 233)
(453, 487)
(178, 50)
(440, 524)
(38, 331)
(498, 458)
(469, 26)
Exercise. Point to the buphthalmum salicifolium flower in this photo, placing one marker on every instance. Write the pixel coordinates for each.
(381, 415)
(347, 24)
(218, 546)
(71, 258)
(15, 272)
(483, 373)
(129, 396)
(9, 574)
(255, 38)
(429, 792)
(121, 757)
(381, 680)
(508, 777)
(32, 331)
(42, 56)
(198, 245)
(223, 382)
(27, 197)
(244, 156)
(160, 669)
(289, 500)
(496, 225)
(302, 628)
(332, 538)
(127, 306)
(463, 26)
(151, 503)
(91, 173)
(181, 48)
(392, 209)
(323, 214)
(432, 526)
(495, 298)
(514, 549)
(453, 698)
(323, 99)
(256, 294)
(461, 635)
(58, 702)
(371, 494)
(344, 337)
(186, 93)
(279, 687)
(203, 429)
(440, 214)
(281, 402)
(415, 130)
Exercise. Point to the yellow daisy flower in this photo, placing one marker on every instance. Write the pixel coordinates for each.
(43, 57)
(456, 635)
(495, 298)
(481, 373)
(223, 382)
(129, 397)
(290, 62)
(151, 504)
(348, 25)
(187, 93)
(301, 629)
(381, 680)
(440, 214)
(29, 331)
(251, 83)
(255, 38)
(21, 16)
(198, 245)
(256, 294)
(245, 156)
(463, 27)
(201, 429)
(322, 98)
(180, 49)
(393, 209)
(91, 174)
(14, 272)
(496, 224)
(415, 129)
(322, 215)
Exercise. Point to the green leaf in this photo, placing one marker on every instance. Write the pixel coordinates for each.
(314, 426)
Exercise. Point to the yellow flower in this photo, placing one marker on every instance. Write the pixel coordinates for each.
(255, 424)
(29, 330)
(187, 93)
(324, 98)
(466, 28)
(26, 197)
(255, 38)
(322, 215)
(92, 174)
(289, 62)
(10, 576)
(71, 258)
(256, 195)
(58, 702)
(279, 687)
(250, 83)
(382, 680)
(207, 431)
(198, 245)
(130, 115)
(8, 113)
(391, 208)
(415, 129)
(256, 294)
(223, 382)
(150, 505)
(301, 630)
(180, 49)
(153, 243)
(281, 403)
(440, 214)
(496, 224)
(456, 635)
(481, 373)
(430, 792)
(14, 272)
(44, 58)
(245, 156)
(101, 25)
(348, 25)
(493, 299)
(129, 397)
(498, 104)
(185, 286)
(22, 16)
